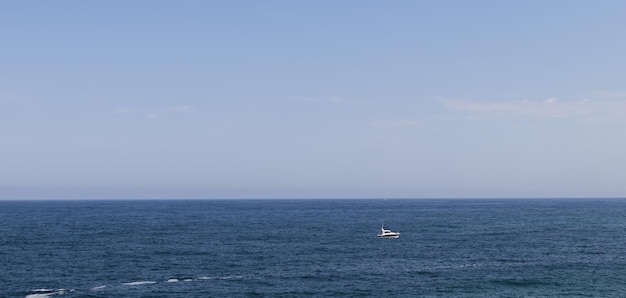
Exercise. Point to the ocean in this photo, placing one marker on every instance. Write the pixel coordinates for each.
(313, 248)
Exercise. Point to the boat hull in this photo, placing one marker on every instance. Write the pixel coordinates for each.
(388, 233)
(389, 236)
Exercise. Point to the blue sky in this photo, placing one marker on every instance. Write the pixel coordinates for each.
(312, 99)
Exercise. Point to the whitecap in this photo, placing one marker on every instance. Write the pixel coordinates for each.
(188, 279)
(39, 295)
(42, 290)
(233, 277)
(98, 288)
(172, 280)
(229, 277)
(138, 283)
(49, 292)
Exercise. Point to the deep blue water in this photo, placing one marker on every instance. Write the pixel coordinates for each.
(293, 248)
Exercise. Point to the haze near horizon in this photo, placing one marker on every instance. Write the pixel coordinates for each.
(320, 99)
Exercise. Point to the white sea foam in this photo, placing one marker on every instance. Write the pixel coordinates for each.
(233, 277)
(188, 279)
(98, 288)
(221, 277)
(138, 283)
(172, 280)
(206, 277)
(40, 293)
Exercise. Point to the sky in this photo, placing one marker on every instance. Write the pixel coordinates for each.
(312, 99)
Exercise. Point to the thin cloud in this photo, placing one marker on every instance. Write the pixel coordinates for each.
(337, 99)
(152, 115)
(610, 94)
(398, 122)
(326, 99)
(180, 109)
(548, 108)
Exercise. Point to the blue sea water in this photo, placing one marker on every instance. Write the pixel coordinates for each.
(295, 248)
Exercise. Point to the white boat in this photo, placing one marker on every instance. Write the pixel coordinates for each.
(388, 233)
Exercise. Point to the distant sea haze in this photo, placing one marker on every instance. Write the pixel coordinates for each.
(287, 248)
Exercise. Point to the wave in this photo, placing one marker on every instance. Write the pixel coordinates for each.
(139, 283)
(44, 293)
(228, 277)
(47, 293)
(38, 295)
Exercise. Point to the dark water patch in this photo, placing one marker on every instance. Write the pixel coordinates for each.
(523, 282)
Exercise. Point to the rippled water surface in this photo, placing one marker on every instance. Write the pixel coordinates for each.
(273, 248)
